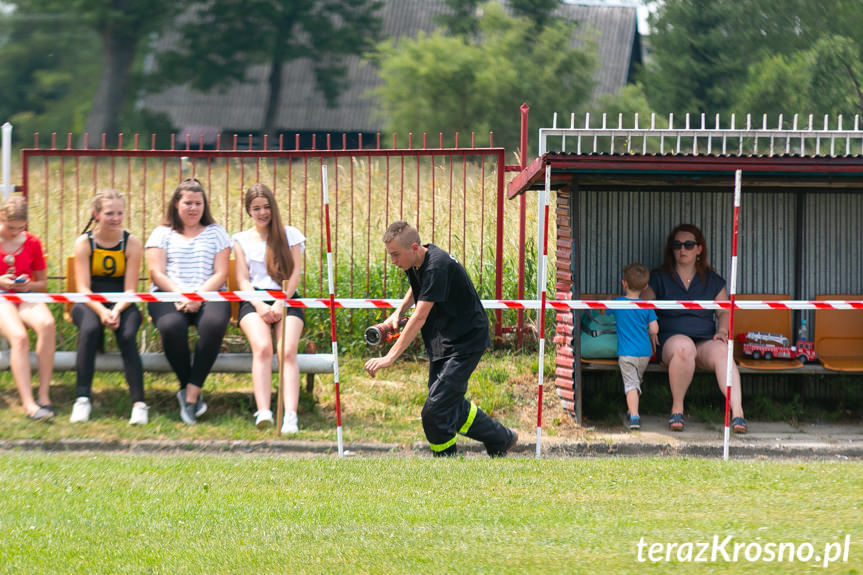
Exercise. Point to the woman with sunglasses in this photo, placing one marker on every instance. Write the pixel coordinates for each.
(690, 339)
(189, 252)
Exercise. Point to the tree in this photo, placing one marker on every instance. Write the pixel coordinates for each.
(695, 60)
(122, 27)
(625, 104)
(48, 70)
(462, 18)
(222, 39)
(707, 56)
(439, 83)
(825, 79)
(537, 11)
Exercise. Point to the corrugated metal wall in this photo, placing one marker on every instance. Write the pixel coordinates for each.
(833, 244)
(618, 228)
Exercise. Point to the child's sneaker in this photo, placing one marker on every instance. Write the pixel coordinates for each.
(633, 421)
(81, 410)
(140, 415)
(263, 419)
(289, 425)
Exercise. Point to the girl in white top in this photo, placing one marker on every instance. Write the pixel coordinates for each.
(266, 255)
(189, 252)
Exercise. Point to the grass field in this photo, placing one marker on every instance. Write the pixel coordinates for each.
(204, 514)
(88, 513)
(385, 409)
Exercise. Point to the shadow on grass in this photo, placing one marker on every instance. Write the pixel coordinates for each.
(604, 404)
(111, 402)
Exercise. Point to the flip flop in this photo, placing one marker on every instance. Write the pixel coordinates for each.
(41, 414)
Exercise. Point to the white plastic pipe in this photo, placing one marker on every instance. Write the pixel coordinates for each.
(7, 160)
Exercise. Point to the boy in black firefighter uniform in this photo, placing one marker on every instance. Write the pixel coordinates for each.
(455, 332)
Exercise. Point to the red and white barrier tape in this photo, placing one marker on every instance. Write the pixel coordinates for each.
(372, 303)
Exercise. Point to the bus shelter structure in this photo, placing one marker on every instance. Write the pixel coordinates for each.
(618, 193)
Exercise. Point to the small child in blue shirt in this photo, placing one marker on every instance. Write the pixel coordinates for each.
(637, 338)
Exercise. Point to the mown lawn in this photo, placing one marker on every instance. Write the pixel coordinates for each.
(62, 513)
(385, 409)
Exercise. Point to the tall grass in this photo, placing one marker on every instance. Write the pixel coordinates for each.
(453, 199)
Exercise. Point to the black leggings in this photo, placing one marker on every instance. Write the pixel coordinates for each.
(211, 322)
(91, 334)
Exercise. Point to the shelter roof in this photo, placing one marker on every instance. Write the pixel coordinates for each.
(698, 172)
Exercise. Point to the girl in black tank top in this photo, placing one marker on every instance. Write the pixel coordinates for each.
(111, 269)
(107, 265)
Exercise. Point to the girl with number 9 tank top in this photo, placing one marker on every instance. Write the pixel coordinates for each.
(107, 259)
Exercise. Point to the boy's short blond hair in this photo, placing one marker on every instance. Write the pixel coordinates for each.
(636, 276)
(402, 231)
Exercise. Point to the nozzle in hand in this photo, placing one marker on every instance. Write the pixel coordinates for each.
(383, 332)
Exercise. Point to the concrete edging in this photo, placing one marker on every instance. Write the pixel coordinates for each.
(578, 449)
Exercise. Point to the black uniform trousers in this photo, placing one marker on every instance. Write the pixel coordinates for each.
(446, 411)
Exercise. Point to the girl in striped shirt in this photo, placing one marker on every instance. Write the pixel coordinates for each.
(189, 253)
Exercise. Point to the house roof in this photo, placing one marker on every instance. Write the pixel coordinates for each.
(241, 106)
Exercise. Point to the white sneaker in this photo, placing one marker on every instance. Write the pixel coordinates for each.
(81, 410)
(140, 415)
(263, 419)
(289, 425)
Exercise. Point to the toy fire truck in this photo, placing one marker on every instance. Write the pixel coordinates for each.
(761, 345)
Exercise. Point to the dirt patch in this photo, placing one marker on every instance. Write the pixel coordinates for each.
(556, 422)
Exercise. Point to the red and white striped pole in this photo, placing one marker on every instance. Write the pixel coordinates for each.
(732, 291)
(332, 312)
(542, 228)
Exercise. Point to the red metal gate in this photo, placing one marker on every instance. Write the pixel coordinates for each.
(454, 195)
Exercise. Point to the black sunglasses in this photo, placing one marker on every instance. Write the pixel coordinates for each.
(689, 245)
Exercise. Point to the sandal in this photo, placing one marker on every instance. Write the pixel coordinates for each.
(738, 425)
(41, 414)
(675, 422)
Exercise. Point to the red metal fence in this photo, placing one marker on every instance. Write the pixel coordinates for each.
(454, 195)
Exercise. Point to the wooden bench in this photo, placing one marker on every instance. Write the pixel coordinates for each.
(309, 363)
(839, 336)
(777, 321)
(231, 362)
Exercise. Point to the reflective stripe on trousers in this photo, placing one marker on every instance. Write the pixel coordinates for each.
(463, 430)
